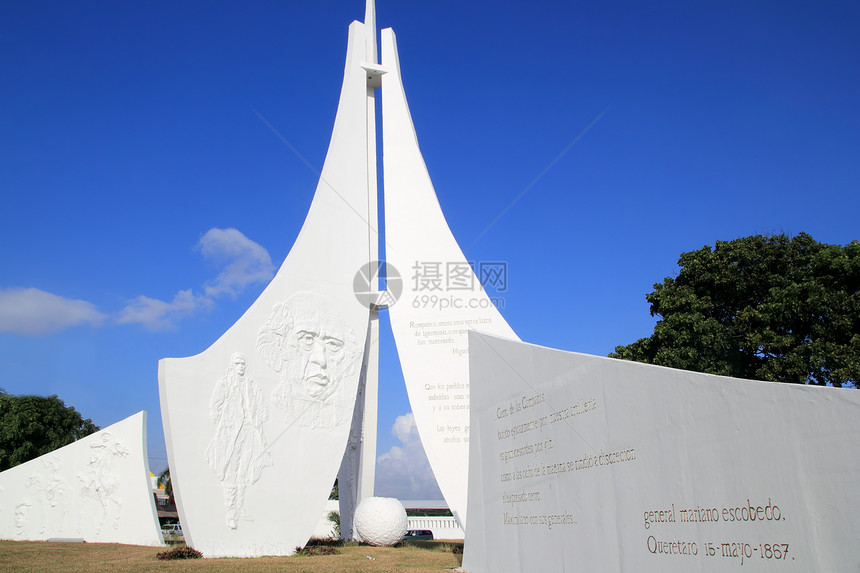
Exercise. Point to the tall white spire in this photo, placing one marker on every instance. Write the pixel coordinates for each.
(358, 470)
(370, 32)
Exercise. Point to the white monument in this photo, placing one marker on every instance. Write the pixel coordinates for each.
(595, 464)
(96, 489)
(573, 460)
(292, 386)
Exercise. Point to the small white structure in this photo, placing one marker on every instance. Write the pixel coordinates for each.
(442, 526)
(380, 521)
(96, 489)
(595, 464)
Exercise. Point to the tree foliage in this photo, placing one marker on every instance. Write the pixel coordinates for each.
(31, 426)
(164, 480)
(761, 307)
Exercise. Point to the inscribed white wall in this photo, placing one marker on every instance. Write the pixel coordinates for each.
(585, 463)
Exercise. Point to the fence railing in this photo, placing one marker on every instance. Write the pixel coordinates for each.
(442, 527)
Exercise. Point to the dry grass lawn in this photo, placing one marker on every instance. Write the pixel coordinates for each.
(39, 556)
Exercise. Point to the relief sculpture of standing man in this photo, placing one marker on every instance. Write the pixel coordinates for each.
(238, 452)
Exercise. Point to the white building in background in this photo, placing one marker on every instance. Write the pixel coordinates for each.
(443, 526)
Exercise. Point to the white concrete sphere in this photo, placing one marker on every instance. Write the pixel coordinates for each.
(380, 521)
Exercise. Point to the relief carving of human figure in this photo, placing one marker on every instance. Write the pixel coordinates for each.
(238, 452)
(22, 514)
(101, 479)
(51, 489)
(315, 351)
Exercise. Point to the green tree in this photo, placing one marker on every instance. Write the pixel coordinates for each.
(164, 479)
(762, 307)
(31, 426)
(334, 517)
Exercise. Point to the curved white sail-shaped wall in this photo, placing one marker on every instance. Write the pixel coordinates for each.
(257, 424)
(441, 301)
(96, 489)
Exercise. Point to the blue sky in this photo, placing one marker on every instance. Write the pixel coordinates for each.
(130, 147)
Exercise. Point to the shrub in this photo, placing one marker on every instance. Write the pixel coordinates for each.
(316, 550)
(334, 517)
(180, 553)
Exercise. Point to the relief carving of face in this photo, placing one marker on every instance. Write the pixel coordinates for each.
(318, 355)
(22, 511)
(310, 344)
(239, 364)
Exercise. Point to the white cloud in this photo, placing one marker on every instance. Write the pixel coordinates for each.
(159, 315)
(33, 311)
(403, 427)
(404, 471)
(245, 262)
(242, 261)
